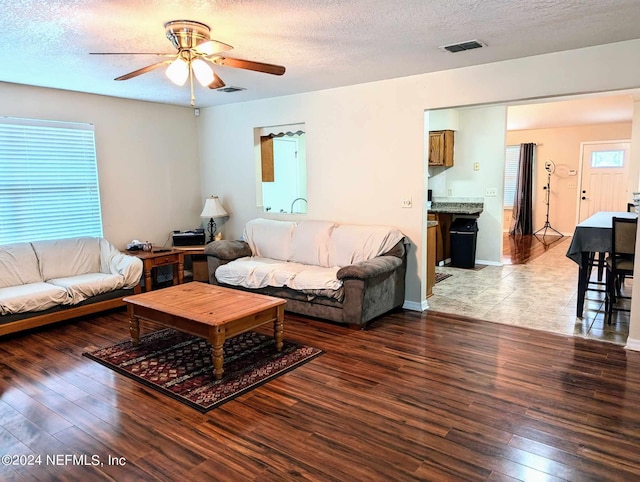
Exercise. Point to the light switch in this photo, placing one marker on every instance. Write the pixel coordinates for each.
(491, 192)
(406, 202)
(476, 166)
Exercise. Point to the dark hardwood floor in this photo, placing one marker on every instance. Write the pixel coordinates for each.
(525, 248)
(414, 397)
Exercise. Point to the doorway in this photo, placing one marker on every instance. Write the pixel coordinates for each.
(603, 177)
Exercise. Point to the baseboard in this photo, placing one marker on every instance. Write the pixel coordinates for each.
(415, 306)
(488, 263)
(632, 344)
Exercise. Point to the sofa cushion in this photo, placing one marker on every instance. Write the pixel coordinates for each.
(352, 243)
(30, 297)
(62, 258)
(250, 272)
(315, 278)
(256, 272)
(269, 239)
(84, 286)
(310, 242)
(18, 265)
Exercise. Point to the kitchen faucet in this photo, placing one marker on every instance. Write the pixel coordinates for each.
(294, 201)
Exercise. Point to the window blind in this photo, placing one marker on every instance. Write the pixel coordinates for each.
(512, 161)
(48, 181)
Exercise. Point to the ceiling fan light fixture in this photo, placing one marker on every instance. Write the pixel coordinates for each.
(187, 34)
(203, 72)
(178, 72)
(195, 48)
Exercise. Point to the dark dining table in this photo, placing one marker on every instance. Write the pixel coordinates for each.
(593, 235)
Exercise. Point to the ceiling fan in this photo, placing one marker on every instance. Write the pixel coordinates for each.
(196, 50)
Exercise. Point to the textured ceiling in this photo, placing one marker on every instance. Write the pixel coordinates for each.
(322, 43)
(577, 110)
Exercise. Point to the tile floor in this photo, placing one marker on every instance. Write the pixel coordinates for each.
(540, 294)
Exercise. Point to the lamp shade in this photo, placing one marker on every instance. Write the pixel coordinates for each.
(213, 208)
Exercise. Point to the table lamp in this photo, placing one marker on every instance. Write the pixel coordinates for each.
(213, 209)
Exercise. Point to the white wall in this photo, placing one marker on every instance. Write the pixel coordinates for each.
(147, 154)
(480, 138)
(365, 143)
(633, 341)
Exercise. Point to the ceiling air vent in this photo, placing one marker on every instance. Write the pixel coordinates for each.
(462, 46)
(230, 89)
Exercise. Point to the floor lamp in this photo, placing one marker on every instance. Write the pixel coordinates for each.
(550, 167)
(213, 209)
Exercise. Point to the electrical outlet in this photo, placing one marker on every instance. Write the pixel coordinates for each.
(406, 202)
(476, 166)
(571, 185)
(491, 192)
(449, 192)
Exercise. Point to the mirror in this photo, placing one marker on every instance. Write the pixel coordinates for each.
(281, 169)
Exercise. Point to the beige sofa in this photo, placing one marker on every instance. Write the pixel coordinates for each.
(339, 272)
(47, 281)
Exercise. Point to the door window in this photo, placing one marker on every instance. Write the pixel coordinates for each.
(601, 159)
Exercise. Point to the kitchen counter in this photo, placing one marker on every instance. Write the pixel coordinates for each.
(440, 207)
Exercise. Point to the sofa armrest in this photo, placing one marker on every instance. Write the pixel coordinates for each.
(113, 261)
(221, 252)
(370, 268)
(129, 267)
(227, 250)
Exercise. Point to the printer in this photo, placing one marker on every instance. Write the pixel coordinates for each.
(188, 238)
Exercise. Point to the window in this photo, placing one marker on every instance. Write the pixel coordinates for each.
(512, 161)
(607, 158)
(48, 181)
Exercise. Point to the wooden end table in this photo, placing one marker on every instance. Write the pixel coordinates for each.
(198, 261)
(208, 311)
(154, 259)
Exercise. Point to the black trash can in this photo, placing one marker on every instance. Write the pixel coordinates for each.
(463, 236)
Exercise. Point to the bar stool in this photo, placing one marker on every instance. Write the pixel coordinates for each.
(621, 260)
(599, 262)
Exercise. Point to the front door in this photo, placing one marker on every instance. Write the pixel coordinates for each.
(605, 167)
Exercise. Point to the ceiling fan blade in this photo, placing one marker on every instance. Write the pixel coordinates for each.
(211, 47)
(217, 82)
(132, 53)
(143, 70)
(250, 65)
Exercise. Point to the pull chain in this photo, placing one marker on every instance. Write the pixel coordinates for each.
(193, 99)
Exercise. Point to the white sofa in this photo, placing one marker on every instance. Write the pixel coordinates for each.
(340, 272)
(47, 281)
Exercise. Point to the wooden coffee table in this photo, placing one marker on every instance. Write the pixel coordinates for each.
(207, 311)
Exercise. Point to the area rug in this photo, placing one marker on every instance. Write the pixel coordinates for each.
(442, 276)
(180, 365)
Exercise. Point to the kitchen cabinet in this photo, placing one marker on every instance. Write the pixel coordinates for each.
(443, 244)
(441, 148)
(266, 158)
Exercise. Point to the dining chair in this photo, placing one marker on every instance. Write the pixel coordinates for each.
(620, 261)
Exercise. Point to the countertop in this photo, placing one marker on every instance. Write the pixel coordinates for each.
(456, 207)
